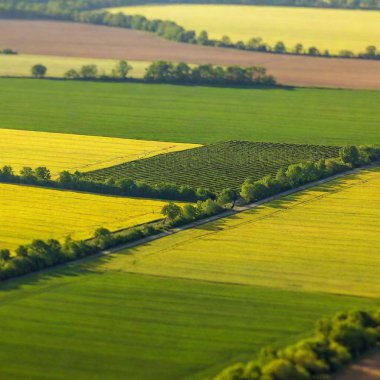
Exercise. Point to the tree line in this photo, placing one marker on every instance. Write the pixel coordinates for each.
(41, 176)
(41, 254)
(302, 173)
(78, 12)
(169, 72)
(336, 343)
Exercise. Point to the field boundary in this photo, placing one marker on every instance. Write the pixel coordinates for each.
(172, 231)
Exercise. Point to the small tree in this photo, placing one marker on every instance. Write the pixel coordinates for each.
(171, 211)
(122, 70)
(349, 154)
(72, 74)
(298, 49)
(39, 71)
(42, 173)
(227, 196)
(280, 47)
(89, 71)
(5, 254)
(103, 237)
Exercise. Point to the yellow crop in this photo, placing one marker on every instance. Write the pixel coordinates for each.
(20, 65)
(324, 28)
(325, 239)
(29, 213)
(74, 152)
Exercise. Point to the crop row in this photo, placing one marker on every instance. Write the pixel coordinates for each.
(216, 166)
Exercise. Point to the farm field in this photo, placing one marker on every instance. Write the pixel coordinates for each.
(217, 166)
(29, 213)
(19, 65)
(201, 114)
(53, 38)
(58, 151)
(83, 323)
(329, 29)
(324, 239)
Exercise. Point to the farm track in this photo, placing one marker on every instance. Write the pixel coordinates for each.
(198, 223)
(366, 369)
(83, 40)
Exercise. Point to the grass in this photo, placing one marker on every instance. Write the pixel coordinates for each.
(217, 166)
(191, 114)
(330, 29)
(74, 152)
(84, 323)
(29, 213)
(325, 239)
(20, 65)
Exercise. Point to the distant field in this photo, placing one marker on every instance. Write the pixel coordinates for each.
(191, 114)
(87, 324)
(325, 239)
(20, 65)
(29, 213)
(59, 151)
(69, 39)
(330, 29)
(217, 166)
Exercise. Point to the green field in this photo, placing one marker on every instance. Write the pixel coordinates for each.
(85, 323)
(191, 114)
(216, 166)
(333, 29)
(20, 65)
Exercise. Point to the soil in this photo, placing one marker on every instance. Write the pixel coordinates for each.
(366, 369)
(94, 41)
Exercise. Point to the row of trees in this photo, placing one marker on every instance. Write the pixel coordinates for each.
(299, 174)
(42, 254)
(169, 72)
(336, 343)
(164, 71)
(166, 29)
(8, 51)
(124, 187)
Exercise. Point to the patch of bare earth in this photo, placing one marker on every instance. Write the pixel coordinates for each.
(82, 40)
(366, 369)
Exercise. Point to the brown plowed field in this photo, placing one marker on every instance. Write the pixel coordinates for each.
(366, 369)
(82, 40)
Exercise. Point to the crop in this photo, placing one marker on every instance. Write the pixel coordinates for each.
(330, 29)
(325, 239)
(20, 65)
(191, 114)
(60, 152)
(216, 166)
(29, 213)
(86, 323)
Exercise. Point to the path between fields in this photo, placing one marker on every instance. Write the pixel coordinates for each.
(366, 369)
(95, 41)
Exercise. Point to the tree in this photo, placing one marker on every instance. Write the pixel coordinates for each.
(103, 237)
(313, 51)
(298, 49)
(349, 154)
(280, 47)
(42, 173)
(72, 74)
(227, 196)
(371, 51)
(39, 71)
(122, 69)
(5, 254)
(89, 71)
(171, 211)
(189, 212)
(203, 38)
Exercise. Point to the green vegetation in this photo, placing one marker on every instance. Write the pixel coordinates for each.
(202, 115)
(216, 166)
(336, 343)
(84, 322)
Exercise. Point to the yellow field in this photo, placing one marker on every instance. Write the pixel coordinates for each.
(29, 213)
(325, 239)
(59, 151)
(324, 28)
(20, 65)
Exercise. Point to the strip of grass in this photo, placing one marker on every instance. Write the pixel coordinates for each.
(83, 324)
(191, 114)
